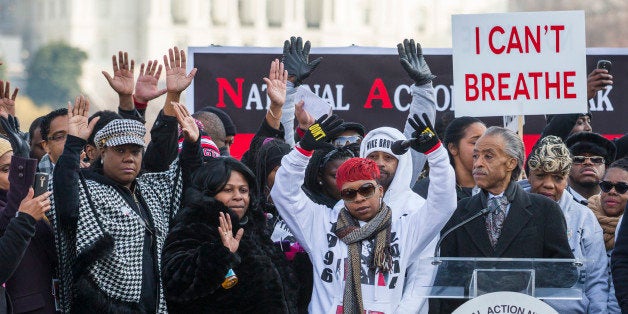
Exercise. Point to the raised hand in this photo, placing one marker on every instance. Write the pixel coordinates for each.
(176, 79)
(78, 124)
(426, 139)
(597, 80)
(82, 163)
(276, 83)
(188, 125)
(36, 207)
(7, 100)
(122, 80)
(18, 139)
(296, 59)
(411, 58)
(303, 117)
(226, 233)
(146, 85)
(319, 133)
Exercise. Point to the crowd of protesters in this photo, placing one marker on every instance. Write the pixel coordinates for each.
(321, 215)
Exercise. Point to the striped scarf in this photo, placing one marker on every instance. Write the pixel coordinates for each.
(349, 231)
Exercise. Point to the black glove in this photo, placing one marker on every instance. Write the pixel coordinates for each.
(425, 137)
(295, 59)
(411, 58)
(319, 133)
(19, 140)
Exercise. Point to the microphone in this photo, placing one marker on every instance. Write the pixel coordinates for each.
(464, 222)
(400, 147)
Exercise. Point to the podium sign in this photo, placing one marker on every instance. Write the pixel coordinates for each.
(505, 302)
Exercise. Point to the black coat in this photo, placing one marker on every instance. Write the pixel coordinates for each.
(422, 186)
(265, 131)
(195, 263)
(534, 228)
(30, 286)
(619, 266)
(13, 244)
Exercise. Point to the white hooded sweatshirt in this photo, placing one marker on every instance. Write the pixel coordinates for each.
(423, 101)
(313, 225)
(403, 201)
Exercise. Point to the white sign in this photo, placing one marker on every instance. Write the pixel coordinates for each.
(505, 302)
(519, 63)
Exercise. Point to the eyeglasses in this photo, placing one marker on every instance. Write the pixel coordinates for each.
(58, 137)
(367, 191)
(593, 159)
(620, 187)
(346, 140)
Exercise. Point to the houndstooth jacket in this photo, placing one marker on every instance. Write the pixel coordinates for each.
(104, 213)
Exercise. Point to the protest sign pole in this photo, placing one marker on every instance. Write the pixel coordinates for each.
(520, 125)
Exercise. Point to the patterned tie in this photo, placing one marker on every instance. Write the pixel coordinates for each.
(495, 220)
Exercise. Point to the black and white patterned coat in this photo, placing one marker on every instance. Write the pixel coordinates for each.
(100, 242)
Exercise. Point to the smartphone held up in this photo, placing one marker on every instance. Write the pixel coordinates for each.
(604, 64)
(41, 183)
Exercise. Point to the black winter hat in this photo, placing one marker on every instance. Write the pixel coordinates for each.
(622, 146)
(575, 116)
(354, 126)
(592, 143)
(268, 157)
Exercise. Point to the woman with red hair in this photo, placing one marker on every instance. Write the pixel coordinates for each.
(359, 253)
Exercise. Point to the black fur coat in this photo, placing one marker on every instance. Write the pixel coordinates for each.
(195, 263)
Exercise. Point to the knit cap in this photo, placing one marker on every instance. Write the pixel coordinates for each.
(380, 140)
(5, 146)
(230, 128)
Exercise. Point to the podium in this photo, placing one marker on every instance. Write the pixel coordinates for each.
(470, 277)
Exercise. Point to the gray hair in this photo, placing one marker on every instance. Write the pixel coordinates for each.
(513, 147)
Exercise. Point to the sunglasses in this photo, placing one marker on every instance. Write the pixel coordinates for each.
(620, 187)
(367, 191)
(593, 159)
(346, 140)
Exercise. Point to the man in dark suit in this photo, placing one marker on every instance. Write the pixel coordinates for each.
(520, 225)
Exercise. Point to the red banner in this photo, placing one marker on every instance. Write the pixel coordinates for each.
(367, 85)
